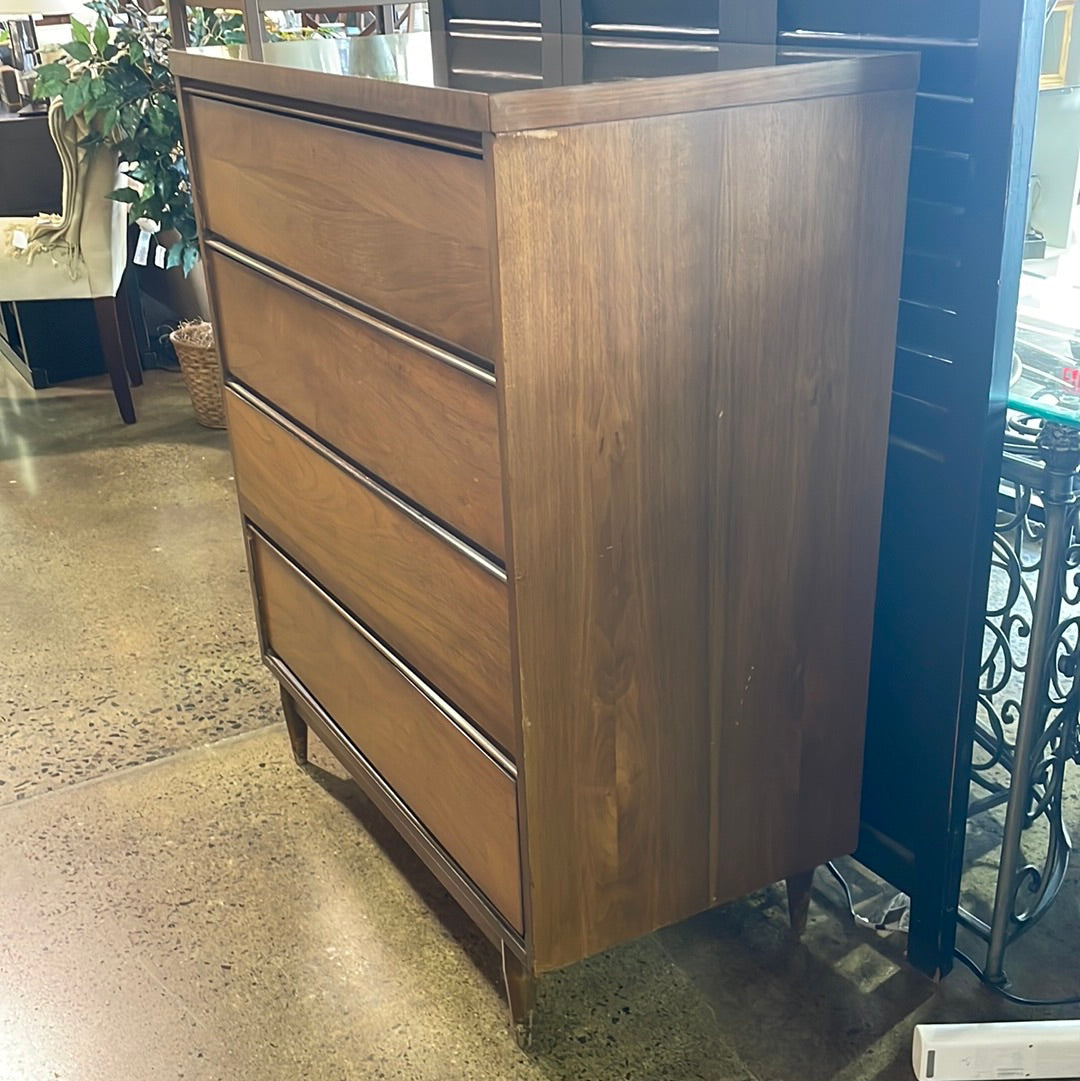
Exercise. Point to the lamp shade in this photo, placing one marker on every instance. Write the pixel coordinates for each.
(12, 8)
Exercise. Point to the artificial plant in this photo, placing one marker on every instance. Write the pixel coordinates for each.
(116, 83)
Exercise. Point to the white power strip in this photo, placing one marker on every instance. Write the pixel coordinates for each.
(1013, 1049)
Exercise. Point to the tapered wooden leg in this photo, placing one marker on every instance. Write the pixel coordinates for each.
(798, 901)
(129, 345)
(112, 347)
(520, 997)
(297, 727)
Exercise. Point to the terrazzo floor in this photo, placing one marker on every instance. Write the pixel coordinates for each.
(179, 901)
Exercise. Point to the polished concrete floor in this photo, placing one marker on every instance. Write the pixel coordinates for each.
(179, 901)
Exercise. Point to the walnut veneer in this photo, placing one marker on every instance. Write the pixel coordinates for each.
(559, 418)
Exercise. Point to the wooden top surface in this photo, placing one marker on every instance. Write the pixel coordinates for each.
(563, 81)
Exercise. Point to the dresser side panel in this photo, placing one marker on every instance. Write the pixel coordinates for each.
(605, 282)
(808, 264)
(698, 318)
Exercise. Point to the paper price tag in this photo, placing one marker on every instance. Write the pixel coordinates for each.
(142, 248)
(159, 257)
(19, 240)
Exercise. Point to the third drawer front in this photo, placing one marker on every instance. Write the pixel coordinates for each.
(461, 795)
(441, 610)
(426, 427)
(403, 228)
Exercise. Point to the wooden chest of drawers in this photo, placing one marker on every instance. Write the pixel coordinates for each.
(559, 419)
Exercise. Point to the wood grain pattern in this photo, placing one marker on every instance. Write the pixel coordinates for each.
(519, 110)
(459, 793)
(399, 227)
(805, 373)
(387, 802)
(458, 109)
(695, 317)
(606, 346)
(692, 656)
(444, 614)
(427, 429)
(550, 106)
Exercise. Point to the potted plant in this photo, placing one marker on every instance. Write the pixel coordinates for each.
(114, 82)
(115, 79)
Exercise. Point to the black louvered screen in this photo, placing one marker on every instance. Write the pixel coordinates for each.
(974, 116)
(487, 11)
(735, 20)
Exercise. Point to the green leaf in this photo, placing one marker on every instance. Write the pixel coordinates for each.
(124, 195)
(80, 31)
(101, 34)
(51, 79)
(74, 97)
(175, 254)
(53, 71)
(78, 50)
(135, 51)
(191, 257)
(108, 120)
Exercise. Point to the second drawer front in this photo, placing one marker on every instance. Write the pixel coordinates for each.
(398, 226)
(465, 800)
(445, 614)
(427, 429)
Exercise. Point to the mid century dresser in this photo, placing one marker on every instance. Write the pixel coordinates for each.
(559, 414)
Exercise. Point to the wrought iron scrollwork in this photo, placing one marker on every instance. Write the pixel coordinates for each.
(1028, 722)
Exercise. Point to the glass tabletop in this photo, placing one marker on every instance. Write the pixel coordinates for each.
(1045, 378)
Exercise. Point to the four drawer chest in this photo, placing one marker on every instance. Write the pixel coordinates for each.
(559, 416)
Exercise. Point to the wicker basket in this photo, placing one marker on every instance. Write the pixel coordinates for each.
(195, 349)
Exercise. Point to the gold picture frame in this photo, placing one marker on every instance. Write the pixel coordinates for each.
(1057, 41)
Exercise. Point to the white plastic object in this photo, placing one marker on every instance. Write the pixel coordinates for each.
(1000, 1050)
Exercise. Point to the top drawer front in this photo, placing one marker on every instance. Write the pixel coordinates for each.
(428, 429)
(447, 616)
(399, 227)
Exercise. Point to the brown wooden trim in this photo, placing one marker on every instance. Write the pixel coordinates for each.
(520, 110)
(463, 109)
(508, 525)
(418, 135)
(416, 835)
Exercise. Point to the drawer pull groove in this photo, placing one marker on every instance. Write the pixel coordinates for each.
(403, 135)
(367, 482)
(320, 297)
(459, 720)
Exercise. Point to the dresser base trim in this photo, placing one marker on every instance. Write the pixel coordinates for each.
(475, 904)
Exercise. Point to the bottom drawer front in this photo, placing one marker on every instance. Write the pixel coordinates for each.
(467, 801)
